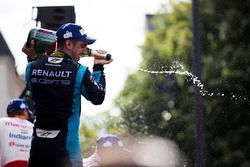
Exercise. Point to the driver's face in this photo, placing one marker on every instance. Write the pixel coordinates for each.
(78, 48)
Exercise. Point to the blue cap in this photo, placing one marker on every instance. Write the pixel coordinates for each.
(16, 105)
(109, 141)
(73, 31)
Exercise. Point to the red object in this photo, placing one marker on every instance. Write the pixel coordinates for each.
(51, 49)
(17, 164)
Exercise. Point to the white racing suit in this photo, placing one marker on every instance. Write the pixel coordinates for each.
(15, 141)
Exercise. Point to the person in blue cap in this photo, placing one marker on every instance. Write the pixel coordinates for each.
(16, 134)
(56, 83)
(109, 150)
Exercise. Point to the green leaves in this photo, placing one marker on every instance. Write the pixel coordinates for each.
(225, 42)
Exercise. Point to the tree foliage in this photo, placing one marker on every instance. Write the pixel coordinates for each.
(224, 47)
(147, 96)
(88, 136)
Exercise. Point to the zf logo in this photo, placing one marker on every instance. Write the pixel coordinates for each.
(46, 134)
(55, 60)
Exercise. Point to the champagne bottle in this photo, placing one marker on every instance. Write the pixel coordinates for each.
(43, 39)
(97, 55)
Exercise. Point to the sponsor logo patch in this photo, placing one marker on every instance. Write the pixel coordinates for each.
(47, 133)
(67, 35)
(55, 60)
(82, 31)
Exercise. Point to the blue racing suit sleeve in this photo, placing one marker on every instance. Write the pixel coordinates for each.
(27, 75)
(94, 85)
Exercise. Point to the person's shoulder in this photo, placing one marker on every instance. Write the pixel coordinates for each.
(69, 60)
(24, 122)
(4, 119)
(29, 123)
(38, 60)
(79, 65)
(18, 121)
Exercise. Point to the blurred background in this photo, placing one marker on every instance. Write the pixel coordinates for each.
(161, 82)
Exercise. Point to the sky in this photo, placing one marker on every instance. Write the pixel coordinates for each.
(118, 26)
